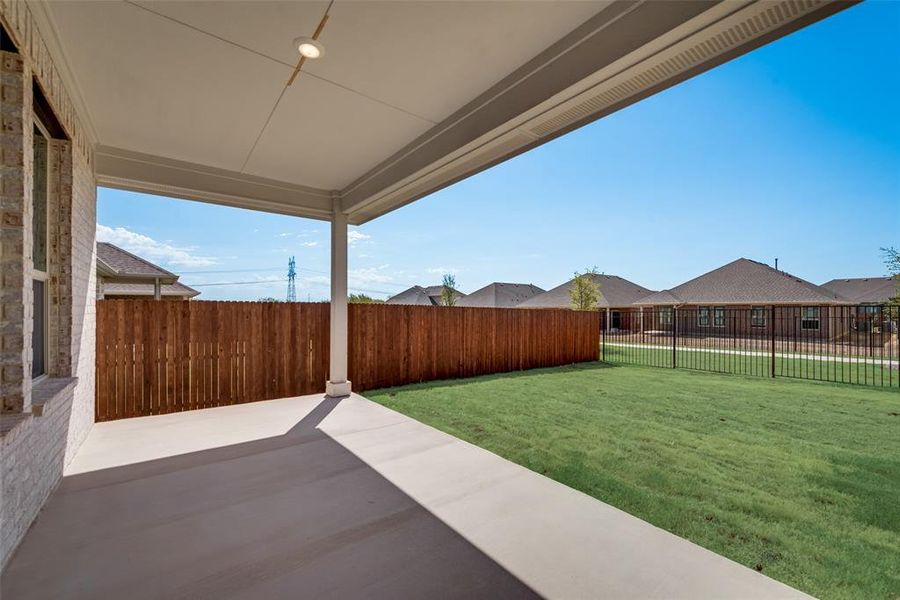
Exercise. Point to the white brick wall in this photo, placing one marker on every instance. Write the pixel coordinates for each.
(38, 437)
(84, 325)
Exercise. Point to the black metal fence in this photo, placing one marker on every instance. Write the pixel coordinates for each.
(845, 344)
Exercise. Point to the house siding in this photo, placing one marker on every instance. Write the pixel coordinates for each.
(42, 425)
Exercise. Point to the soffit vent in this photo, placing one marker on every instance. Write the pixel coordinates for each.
(753, 22)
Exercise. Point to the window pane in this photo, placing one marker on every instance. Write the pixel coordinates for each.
(38, 353)
(39, 203)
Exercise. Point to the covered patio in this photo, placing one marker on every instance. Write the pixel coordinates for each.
(318, 495)
(339, 498)
(213, 102)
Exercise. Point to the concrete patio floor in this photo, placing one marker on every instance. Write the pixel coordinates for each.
(305, 497)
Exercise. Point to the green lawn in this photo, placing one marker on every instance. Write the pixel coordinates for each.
(723, 362)
(798, 479)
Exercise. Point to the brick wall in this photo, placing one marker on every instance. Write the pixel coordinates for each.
(42, 425)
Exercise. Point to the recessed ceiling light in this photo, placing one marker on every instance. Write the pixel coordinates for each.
(309, 47)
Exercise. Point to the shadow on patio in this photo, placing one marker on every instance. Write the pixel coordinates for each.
(295, 514)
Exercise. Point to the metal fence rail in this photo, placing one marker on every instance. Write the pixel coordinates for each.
(846, 344)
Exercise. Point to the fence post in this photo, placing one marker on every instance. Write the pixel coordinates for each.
(772, 338)
(602, 340)
(674, 335)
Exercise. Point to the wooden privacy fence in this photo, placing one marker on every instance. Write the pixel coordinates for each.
(156, 357)
(394, 344)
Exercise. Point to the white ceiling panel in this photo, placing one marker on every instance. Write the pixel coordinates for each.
(323, 136)
(157, 87)
(427, 58)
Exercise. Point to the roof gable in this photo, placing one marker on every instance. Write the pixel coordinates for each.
(415, 295)
(615, 291)
(500, 295)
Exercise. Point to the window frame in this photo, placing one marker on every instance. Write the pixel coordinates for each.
(38, 274)
(702, 314)
(754, 320)
(717, 312)
(665, 315)
(806, 321)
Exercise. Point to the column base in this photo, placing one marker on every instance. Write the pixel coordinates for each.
(337, 389)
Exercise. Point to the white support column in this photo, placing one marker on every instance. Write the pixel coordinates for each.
(157, 289)
(337, 384)
(607, 320)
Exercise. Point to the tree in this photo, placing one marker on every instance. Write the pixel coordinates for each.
(448, 291)
(892, 262)
(584, 294)
(363, 299)
(269, 299)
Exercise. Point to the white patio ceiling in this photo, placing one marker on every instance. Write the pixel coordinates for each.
(409, 96)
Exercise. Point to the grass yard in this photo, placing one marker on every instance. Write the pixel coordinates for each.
(800, 480)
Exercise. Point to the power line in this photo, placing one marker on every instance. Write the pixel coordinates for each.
(283, 279)
(237, 282)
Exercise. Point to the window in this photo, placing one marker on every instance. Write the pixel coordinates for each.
(665, 316)
(757, 317)
(703, 316)
(39, 255)
(809, 317)
(719, 316)
(867, 318)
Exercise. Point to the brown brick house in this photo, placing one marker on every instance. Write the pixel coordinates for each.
(869, 294)
(740, 298)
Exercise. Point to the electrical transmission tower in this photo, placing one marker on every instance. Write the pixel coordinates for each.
(292, 275)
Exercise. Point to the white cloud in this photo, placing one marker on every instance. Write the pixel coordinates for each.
(442, 270)
(310, 244)
(152, 250)
(370, 275)
(354, 237)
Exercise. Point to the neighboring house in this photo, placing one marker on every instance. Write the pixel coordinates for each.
(422, 296)
(870, 292)
(616, 293)
(501, 295)
(121, 274)
(747, 284)
(865, 290)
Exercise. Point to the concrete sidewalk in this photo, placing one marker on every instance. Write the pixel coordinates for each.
(301, 497)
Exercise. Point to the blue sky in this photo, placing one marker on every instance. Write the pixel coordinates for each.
(792, 151)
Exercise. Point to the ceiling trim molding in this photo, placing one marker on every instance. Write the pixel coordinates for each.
(716, 34)
(134, 171)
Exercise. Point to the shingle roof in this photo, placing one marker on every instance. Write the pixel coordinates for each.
(864, 289)
(615, 292)
(116, 262)
(146, 289)
(744, 281)
(417, 295)
(501, 295)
